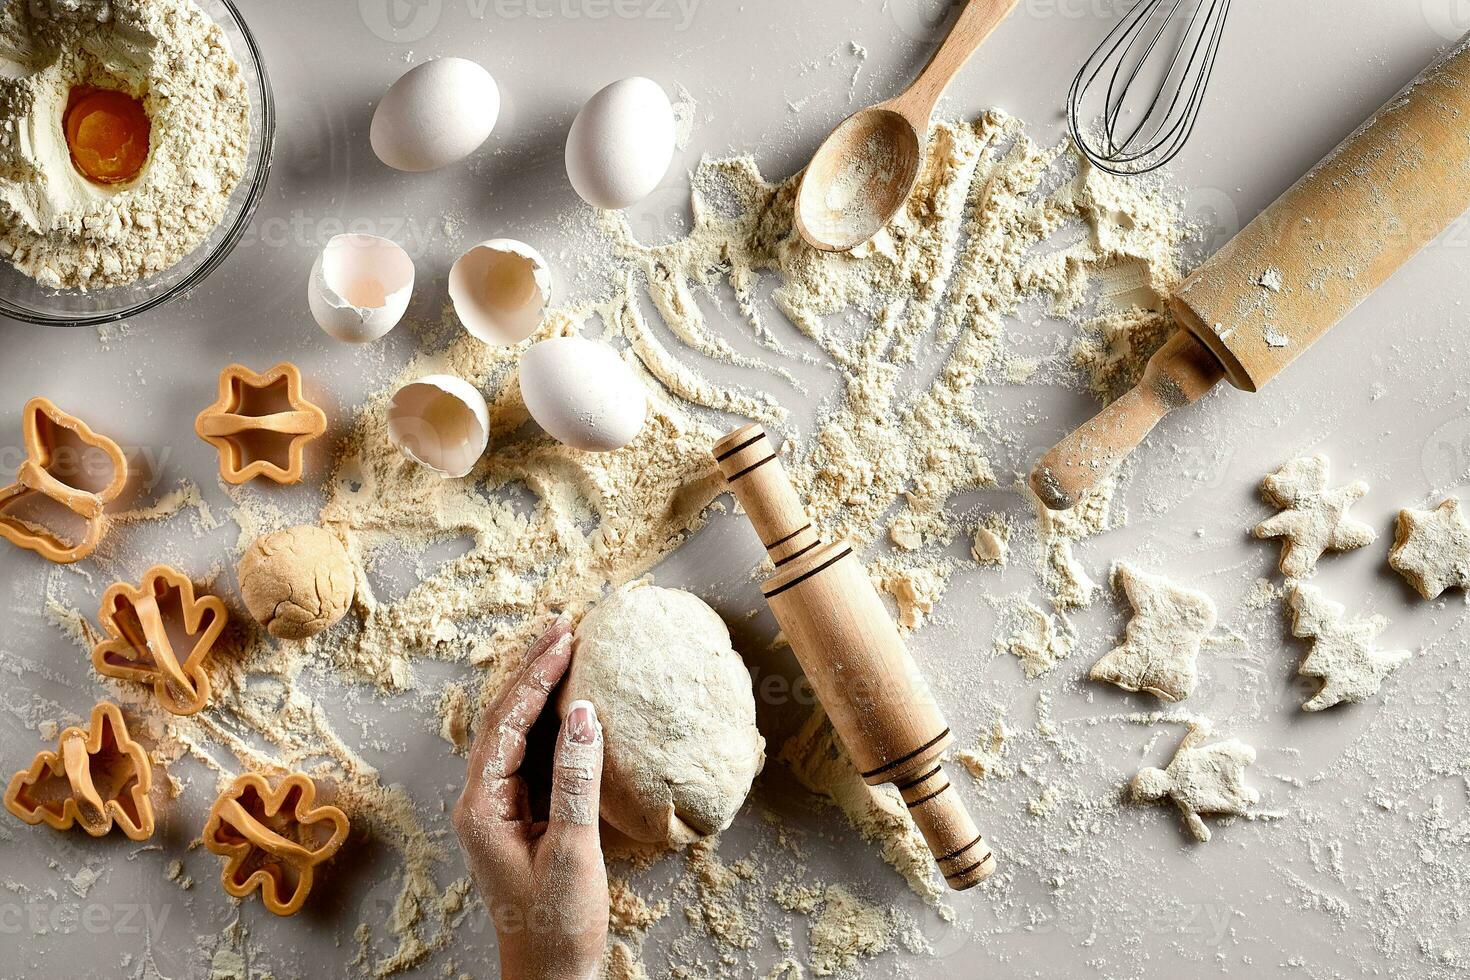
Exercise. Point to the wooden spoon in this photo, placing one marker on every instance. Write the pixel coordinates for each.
(865, 170)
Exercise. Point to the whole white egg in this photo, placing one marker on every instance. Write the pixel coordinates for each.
(621, 144)
(582, 393)
(437, 113)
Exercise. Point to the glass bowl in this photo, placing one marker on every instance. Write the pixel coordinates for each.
(22, 298)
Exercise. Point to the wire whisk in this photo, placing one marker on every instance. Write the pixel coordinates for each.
(1157, 64)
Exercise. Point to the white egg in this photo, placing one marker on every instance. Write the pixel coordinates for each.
(360, 287)
(441, 422)
(582, 393)
(437, 113)
(500, 290)
(621, 143)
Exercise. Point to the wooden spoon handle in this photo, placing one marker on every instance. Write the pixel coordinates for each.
(1179, 374)
(975, 24)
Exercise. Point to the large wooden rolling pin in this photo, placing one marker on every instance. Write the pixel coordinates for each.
(1295, 271)
(856, 661)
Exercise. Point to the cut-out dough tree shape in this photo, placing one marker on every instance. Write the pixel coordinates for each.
(1159, 654)
(1343, 654)
(1432, 549)
(1313, 519)
(1201, 779)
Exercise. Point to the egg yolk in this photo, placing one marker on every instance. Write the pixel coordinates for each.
(107, 134)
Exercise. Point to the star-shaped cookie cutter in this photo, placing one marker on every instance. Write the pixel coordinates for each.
(267, 840)
(254, 410)
(97, 777)
(139, 645)
(60, 448)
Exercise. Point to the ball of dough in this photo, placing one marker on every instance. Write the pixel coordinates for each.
(677, 713)
(297, 582)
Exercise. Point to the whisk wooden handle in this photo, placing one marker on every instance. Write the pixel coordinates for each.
(854, 657)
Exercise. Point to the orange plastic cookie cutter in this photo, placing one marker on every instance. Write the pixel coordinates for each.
(68, 465)
(97, 776)
(141, 646)
(273, 839)
(261, 424)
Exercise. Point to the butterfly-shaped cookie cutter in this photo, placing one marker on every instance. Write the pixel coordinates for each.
(39, 476)
(266, 839)
(97, 777)
(228, 424)
(139, 647)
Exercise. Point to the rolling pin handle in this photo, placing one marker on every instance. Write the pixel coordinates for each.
(1180, 373)
(963, 856)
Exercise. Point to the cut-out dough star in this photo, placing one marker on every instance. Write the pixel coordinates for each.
(1201, 779)
(1160, 651)
(1313, 519)
(1432, 549)
(1343, 656)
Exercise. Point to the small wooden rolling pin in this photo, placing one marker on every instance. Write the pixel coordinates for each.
(1295, 271)
(856, 661)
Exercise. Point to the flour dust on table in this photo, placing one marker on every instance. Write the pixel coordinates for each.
(913, 325)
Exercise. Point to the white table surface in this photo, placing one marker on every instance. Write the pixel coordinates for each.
(1359, 877)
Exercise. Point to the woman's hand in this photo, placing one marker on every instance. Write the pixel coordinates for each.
(544, 883)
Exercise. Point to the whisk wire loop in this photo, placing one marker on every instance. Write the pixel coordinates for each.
(1175, 41)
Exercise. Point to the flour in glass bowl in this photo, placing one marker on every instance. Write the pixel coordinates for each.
(68, 230)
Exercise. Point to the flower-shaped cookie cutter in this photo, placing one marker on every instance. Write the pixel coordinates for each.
(97, 777)
(272, 839)
(140, 643)
(67, 466)
(261, 424)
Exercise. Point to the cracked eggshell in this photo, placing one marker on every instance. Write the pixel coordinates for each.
(360, 287)
(500, 290)
(441, 422)
(621, 143)
(437, 113)
(582, 393)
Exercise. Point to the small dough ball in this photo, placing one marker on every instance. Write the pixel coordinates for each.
(297, 582)
(677, 713)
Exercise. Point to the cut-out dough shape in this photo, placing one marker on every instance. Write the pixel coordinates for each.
(273, 840)
(254, 407)
(1201, 779)
(97, 777)
(139, 647)
(1160, 650)
(1432, 549)
(1313, 519)
(1343, 656)
(61, 449)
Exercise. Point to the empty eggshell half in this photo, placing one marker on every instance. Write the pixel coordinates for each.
(582, 393)
(360, 287)
(500, 290)
(441, 422)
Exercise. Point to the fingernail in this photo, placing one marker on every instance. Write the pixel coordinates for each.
(582, 723)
